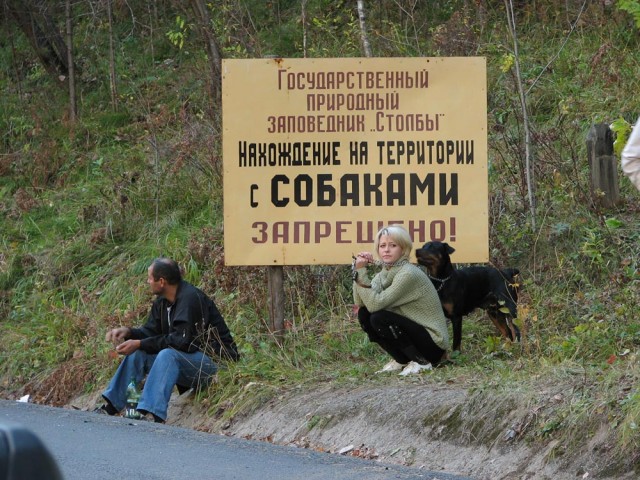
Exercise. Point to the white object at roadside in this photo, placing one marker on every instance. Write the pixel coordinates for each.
(24, 399)
(346, 449)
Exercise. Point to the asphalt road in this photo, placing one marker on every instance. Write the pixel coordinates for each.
(88, 446)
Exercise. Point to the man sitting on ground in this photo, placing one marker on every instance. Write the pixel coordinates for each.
(174, 347)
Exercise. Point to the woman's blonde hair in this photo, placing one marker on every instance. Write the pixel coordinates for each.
(399, 235)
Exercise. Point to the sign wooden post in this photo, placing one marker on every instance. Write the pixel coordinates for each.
(275, 282)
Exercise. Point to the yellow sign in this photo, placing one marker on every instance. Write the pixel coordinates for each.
(319, 154)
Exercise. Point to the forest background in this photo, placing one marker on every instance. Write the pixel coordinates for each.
(110, 155)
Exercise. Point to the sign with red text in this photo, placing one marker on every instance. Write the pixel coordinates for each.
(319, 154)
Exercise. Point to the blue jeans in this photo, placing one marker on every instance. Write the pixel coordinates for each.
(163, 371)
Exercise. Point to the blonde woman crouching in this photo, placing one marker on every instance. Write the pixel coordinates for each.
(399, 307)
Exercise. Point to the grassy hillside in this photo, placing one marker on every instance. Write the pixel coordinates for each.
(85, 206)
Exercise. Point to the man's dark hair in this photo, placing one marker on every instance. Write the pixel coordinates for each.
(166, 268)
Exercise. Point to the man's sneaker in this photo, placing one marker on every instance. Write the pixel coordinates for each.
(156, 419)
(149, 417)
(106, 409)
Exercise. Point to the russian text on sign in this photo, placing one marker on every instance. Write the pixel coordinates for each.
(367, 189)
(352, 101)
(386, 80)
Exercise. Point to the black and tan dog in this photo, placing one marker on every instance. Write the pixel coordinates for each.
(462, 290)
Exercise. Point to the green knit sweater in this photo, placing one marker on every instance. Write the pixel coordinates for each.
(407, 291)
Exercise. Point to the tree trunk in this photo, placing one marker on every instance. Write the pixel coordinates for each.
(303, 8)
(112, 60)
(46, 40)
(72, 79)
(14, 52)
(203, 20)
(153, 20)
(525, 116)
(363, 30)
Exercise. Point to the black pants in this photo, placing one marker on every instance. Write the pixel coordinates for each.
(403, 339)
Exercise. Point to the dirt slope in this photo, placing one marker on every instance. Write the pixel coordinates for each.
(415, 422)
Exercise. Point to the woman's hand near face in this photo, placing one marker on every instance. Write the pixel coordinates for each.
(363, 259)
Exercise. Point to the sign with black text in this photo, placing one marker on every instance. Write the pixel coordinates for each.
(319, 154)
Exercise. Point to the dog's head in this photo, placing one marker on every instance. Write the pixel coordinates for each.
(434, 255)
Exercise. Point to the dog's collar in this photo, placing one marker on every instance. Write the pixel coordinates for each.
(441, 280)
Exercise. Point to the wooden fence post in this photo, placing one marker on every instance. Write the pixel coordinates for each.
(603, 165)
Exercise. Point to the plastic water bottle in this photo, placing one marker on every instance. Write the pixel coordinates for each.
(133, 397)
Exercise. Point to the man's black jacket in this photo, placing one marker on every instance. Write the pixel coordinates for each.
(191, 323)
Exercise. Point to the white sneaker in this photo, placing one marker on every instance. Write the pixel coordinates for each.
(414, 367)
(392, 366)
